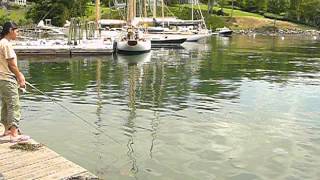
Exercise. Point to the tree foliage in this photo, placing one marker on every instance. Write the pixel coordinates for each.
(302, 11)
(57, 10)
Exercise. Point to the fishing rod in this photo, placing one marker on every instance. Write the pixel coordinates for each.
(23, 91)
(67, 109)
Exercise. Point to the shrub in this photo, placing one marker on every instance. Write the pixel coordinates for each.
(213, 22)
(274, 16)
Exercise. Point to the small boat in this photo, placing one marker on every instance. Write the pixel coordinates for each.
(167, 43)
(224, 31)
(167, 40)
(133, 43)
(163, 40)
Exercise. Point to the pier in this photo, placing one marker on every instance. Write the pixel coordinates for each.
(66, 50)
(43, 163)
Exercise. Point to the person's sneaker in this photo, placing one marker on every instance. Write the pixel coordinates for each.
(20, 138)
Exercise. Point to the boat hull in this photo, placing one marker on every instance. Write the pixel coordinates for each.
(226, 33)
(132, 52)
(133, 46)
(168, 41)
(197, 37)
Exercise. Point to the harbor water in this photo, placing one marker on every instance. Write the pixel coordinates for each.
(238, 108)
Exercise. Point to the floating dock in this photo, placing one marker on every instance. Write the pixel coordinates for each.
(40, 164)
(62, 50)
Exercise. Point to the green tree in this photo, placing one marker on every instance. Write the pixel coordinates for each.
(252, 5)
(310, 12)
(294, 9)
(4, 19)
(277, 6)
(57, 10)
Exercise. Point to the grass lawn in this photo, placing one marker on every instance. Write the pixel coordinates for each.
(106, 13)
(236, 13)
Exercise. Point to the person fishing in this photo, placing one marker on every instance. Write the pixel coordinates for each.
(11, 79)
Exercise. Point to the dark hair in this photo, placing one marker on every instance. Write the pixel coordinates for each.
(7, 26)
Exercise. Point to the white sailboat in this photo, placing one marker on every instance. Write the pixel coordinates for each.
(133, 41)
(192, 30)
(160, 39)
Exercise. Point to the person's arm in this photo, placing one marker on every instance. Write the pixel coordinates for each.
(10, 56)
(15, 70)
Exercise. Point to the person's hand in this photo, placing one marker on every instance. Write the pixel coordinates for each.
(21, 80)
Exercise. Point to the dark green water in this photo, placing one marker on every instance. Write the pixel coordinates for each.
(235, 108)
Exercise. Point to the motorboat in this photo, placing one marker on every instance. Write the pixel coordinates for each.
(224, 31)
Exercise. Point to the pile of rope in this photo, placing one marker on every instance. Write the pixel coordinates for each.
(26, 146)
(81, 178)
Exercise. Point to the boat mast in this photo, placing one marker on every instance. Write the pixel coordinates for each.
(97, 13)
(162, 12)
(192, 10)
(154, 8)
(202, 17)
(130, 11)
(144, 8)
(134, 9)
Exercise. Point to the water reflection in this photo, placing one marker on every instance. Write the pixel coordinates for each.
(134, 59)
(193, 113)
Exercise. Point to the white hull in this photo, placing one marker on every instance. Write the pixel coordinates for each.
(133, 46)
(177, 35)
(197, 37)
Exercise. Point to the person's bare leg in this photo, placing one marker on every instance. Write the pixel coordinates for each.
(14, 133)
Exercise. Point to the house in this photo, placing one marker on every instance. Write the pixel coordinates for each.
(20, 2)
(14, 2)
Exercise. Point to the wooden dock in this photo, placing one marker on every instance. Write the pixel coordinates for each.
(63, 51)
(40, 164)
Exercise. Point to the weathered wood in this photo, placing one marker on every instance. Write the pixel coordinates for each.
(41, 164)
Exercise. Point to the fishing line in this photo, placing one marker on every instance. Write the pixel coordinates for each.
(76, 115)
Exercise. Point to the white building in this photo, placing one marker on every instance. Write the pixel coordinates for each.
(20, 2)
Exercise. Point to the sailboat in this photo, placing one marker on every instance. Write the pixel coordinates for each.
(133, 40)
(159, 39)
(192, 30)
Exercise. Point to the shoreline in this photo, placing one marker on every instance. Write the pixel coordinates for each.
(279, 32)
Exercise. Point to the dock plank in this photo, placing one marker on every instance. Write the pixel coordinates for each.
(50, 167)
(25, 160)
(41, 164)
(63, 51)
(36, 169)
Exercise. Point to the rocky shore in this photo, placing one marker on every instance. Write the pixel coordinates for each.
(273, 31)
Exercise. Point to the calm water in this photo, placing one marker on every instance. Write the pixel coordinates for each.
(239, 108)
